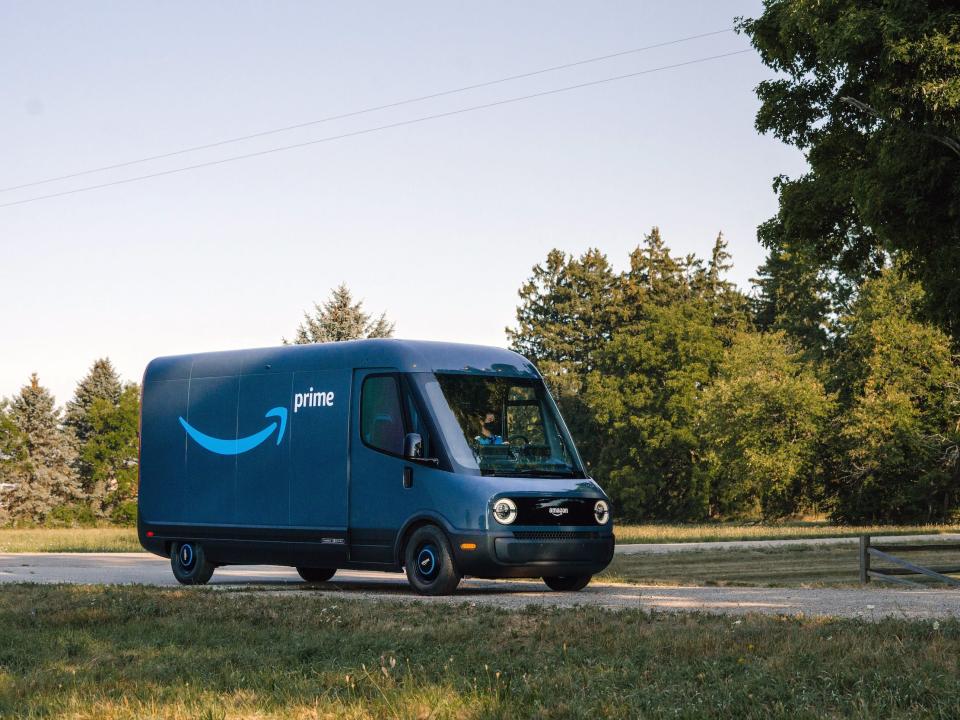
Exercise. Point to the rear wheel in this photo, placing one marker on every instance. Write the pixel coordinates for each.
(429, 562)
(568, 583)
(189, 563)
(312, 575)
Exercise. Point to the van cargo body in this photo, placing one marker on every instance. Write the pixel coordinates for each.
(444, 459)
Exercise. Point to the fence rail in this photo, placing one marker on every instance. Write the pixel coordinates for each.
(869, 550)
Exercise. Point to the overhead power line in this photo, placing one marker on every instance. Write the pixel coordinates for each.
(354, 113)
(378, 128)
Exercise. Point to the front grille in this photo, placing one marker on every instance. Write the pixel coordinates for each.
(558, 535)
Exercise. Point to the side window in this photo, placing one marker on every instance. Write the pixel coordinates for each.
(381, 416)
(418, 423)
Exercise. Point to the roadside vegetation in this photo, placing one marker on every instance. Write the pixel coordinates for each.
(789, 566)
(95, 652)
(124, 539)
(102, 539)
(719, 532)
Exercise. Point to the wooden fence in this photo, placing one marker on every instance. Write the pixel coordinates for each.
(869, 550)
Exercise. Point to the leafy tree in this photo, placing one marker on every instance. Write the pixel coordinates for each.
(101, 382)
(45, 477)
(568, 311)
(798, 298)
(760, 424)
(870, 91)
(898, 438)
(112, 453)
(340, 318)
(645, 394)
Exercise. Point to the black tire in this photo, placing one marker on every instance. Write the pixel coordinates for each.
(190, 564)
(428, 559)
(312, 575)
(568, 583)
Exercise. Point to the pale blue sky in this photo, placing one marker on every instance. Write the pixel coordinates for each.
(438, 223)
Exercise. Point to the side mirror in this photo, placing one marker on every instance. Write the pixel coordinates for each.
(413, 446)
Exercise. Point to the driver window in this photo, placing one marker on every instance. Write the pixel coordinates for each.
(381, 416)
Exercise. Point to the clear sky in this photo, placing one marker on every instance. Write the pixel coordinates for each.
(438, 223)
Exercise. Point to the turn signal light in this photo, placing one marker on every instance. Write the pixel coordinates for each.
(468, 546)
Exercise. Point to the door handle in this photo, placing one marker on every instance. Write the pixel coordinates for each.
(408, 477)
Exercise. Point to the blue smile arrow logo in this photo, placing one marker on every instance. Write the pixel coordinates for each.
(240, 445)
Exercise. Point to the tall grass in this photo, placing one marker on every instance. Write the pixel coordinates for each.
(114, 539)
(106, 539)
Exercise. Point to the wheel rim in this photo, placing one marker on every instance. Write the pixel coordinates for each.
(186, 556)
(428, 562)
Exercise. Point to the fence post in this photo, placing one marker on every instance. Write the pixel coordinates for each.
(864, 559)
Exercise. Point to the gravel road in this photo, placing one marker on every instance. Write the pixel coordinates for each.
(871, 603)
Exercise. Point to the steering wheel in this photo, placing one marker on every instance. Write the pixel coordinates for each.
(518, 438)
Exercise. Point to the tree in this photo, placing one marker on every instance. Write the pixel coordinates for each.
(13, 453)
(760, 424)
(101, 382)
(112, 452)
(568, 311)
(644, 395)
(45, 477)
(897, 441)
(793, 295)
(871, 93)
(340, 318)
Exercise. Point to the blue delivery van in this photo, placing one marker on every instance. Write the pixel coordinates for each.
(440, 459)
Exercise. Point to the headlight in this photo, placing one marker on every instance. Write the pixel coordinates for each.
(505, 511)
(601, 511)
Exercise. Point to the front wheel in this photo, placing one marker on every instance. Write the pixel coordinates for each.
(568, 583)
(190, 564)
(429, 562)
(314, 575)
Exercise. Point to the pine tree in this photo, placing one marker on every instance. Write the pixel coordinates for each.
(12, 456)
(340, 318)
(45, 478)
(111, 454)
(101, 382)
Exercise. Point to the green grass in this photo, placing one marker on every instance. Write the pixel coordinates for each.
(796, 565)
(780, 531)
(131, 652)
(107, 539)
(113, 539)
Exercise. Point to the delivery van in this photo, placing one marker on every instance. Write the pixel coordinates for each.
(440, 459)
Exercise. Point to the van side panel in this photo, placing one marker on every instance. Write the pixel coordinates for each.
(163, 450)
(262, 492)
(319, 438)
(288, 488)
(210, 487)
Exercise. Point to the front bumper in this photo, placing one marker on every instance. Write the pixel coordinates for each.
(534, 552)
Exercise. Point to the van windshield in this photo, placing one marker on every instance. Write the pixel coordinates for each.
(510, 425)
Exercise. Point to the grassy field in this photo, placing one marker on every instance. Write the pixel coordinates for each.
(110, 539)
(781, 531)
(113, 539)
(94, 652)
(804, 565)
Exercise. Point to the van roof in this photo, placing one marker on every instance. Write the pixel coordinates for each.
(403, 355)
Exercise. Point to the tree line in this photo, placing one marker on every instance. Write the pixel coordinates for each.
(689, 399)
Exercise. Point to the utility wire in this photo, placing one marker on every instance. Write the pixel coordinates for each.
(354, 113)
(366, 131)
